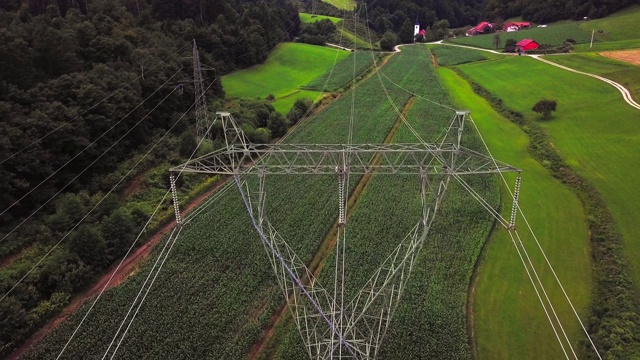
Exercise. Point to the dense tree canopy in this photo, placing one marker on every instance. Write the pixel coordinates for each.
(79, 79)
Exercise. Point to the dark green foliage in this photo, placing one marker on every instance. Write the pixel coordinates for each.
(545, 107)
(549, 10)
(388, 41)
(118, 232)
(87, 242)
(317, 33)
(188, 143)
(299, 110)
(614, 323)
(79, 78)
(277, 124)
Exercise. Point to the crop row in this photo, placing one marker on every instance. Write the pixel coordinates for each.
(430, 321)
(342, 74)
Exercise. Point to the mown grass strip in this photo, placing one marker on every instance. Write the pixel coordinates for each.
(506, 312)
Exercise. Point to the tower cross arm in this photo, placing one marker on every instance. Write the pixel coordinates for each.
(303, 159)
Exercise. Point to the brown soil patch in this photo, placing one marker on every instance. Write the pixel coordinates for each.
(630, 56)
(127, 268)
(434, 59)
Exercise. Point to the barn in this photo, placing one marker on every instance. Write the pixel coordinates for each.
(526, 45)
(516, 26)
(482, 28)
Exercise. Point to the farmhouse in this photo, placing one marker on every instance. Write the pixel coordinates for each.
(482, 28)
(526, 45)
(515, 26)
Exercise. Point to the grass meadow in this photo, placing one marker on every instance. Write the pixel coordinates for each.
(307, 18)
(506, 312)
(289, 66)
(624, 73)
(342, 4)
(594, 130)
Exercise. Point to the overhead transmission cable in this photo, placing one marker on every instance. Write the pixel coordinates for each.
(538, 244)
(93, 208)
(422, 141)
(172, 240)
(89, 109)
(83, 150)
(122, 179)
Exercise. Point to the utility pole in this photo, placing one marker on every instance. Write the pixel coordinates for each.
(201, 100)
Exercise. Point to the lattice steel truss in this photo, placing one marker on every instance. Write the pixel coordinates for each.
(200, 98)
(332, 326)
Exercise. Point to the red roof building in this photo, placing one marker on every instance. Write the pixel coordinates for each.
(527, 44)
(520, 25)
(482, 28)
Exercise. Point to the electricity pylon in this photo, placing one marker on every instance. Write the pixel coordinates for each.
(201, 99)
(332, 326)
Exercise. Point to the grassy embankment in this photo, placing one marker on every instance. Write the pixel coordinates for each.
(595, 133)
(342, 4)
(615, 32)
(288, 67)
(554, 34)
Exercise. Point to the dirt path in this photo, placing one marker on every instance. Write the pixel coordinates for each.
(128, 267)
(326, 247)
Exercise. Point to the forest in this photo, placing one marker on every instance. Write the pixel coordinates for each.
(85, 90)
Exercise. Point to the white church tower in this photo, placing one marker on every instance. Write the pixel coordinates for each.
(416, 28)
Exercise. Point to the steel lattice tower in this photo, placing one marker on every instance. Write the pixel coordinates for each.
(201, 99)
(332, 326)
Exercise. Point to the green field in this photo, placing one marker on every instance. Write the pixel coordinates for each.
(308, 18)
(342, 4)
(437, 292)
(451, 55)
(343, 73)
(289, 66)
(506, 311)
(594, 131)
(621, 72)
(555, 34)
(350, 40)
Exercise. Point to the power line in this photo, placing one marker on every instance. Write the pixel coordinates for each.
(87, 167)
(541, 249)
(89, 109)
(172, 241)
(87, 147)
(101, 200)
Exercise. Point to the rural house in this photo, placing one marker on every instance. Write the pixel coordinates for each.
(482, 28)
(515, 26)
(526, 45)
